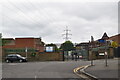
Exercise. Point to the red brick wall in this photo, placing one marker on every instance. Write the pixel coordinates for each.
(27, 42)
(24, 42)
(39, 45)
(41, 49)
(9, 46)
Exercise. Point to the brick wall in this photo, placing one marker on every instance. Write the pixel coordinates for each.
(46, 57)
(24, 42)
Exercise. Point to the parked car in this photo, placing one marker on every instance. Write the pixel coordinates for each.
(15, 57)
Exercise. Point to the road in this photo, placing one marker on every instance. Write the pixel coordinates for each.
(54, 69)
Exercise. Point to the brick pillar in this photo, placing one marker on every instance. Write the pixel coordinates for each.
(111, 54)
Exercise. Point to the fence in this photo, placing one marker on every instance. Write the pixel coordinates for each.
(117, 52)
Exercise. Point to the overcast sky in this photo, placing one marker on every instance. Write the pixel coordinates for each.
(48, 19)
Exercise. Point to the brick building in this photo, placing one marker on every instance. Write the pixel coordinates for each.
(115, 38)
(20, 45)
(105, 44)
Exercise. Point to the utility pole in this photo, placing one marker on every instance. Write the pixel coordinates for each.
(67, 34)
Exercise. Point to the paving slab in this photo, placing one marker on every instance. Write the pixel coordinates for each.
(101, 71)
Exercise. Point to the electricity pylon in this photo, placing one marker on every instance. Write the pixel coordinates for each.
(66, 34)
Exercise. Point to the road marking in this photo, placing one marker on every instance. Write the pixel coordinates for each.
(76, 70)
(78, 74)
(84, 74)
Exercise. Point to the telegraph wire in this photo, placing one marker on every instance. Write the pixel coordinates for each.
(31, 18)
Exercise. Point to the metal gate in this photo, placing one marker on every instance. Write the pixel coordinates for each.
(76, 55)
(117, 52)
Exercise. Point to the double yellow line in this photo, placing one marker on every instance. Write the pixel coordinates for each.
(81, 73)
(77, 69)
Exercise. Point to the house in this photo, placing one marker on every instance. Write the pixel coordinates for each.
(103, 45)
(115, 38)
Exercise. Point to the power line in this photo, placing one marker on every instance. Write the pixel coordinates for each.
(17, 13)
(67, 34)
(29, 17)
(50, 18)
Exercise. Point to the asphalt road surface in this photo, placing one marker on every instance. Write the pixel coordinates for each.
(54, 69)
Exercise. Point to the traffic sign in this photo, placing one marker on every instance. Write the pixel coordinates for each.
(105, 53)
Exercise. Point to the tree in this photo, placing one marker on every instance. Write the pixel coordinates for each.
(114, 44)
(67, 46)
(54, 46)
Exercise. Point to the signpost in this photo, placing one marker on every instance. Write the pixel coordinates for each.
(106, 64)
(26, 51)
(91, 62)
(49, 49)
(106, 54)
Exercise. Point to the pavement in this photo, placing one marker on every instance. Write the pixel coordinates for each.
(100, 70)
(0, 70)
